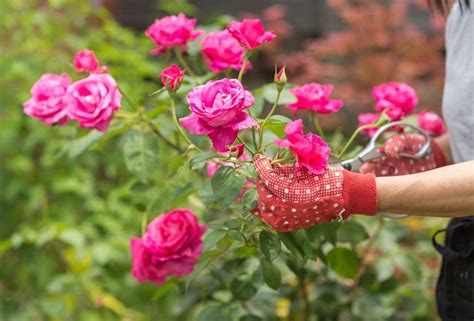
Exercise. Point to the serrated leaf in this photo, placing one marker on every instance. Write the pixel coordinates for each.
(250, 200)
(140, 150)
(344, 262)
(79, 145)
(270, 245)
(271, 274)
(352, 232)
(199, 161)
(226, 185)
(276, 124)
(211, 238)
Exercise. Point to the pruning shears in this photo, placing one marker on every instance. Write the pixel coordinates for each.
(372, 152)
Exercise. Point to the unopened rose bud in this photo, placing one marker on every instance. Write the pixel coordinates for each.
(237, 150)
(172, 77)
(280, 78)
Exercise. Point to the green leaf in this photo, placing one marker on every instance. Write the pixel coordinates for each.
(213, 237)
(291, 245)
(270, 94)
(276, 124)
(243, 289)
(213, 313)
(140, 150)
(199, 161)
(352, 232)
(79, 145)
(226, 185)
(270, 245)
(344, 262)
(329, 231)
(384, 268)
(303, 242)
(250, 200)
(408, 264)
(257, 108)
(250, 318)
(271, 274)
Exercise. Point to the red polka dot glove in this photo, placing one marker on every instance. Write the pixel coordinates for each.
(393, 164)
(289, 200)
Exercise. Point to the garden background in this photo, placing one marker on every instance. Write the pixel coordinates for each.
(66, 217)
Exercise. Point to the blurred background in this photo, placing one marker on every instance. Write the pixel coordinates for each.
(65, 221)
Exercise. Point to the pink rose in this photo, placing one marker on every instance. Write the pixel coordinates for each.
(171, 246)
(250, 33)
(315, 97)
(93, 101)
(172, 77)
(172, 31)
(398, 99)
(221, 51)
(86, 61)
(48, 101)
(431, 123)
(217, 110)
(367, 119)
(310, 150)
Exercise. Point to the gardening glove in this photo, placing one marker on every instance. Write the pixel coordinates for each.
(289, 200)
(393, 164)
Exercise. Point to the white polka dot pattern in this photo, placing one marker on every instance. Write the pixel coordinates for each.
(290, 200)
(394, 165)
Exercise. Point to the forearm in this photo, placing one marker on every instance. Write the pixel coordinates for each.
(443, 142)
(445, 192)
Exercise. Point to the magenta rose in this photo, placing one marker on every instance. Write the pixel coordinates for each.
(367, 119)
(48, 101)
(310, 150)
(217, 110)
(221, 51)
(171, 246)
(315, 97)
(250, 33)
(93, 101)
(172, 31)
(431, 123)
(397, 99)
(86, 61)
(172, 77)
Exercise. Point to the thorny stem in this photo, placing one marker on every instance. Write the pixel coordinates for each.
(354, 135)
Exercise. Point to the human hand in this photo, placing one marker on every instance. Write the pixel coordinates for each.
(393, 164)
(291, 199)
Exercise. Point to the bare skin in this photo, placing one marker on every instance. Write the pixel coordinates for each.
(443, 192)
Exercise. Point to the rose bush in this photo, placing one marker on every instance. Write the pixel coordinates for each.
(93, 208)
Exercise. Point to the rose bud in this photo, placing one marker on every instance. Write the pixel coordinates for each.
(280, 78)
(172, 77)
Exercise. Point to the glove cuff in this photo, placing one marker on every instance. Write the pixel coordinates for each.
(438, 155)
(360, 193)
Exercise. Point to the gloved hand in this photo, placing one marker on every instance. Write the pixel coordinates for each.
(289, 200)
(393, 164)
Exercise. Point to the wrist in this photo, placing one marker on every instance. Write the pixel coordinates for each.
(360, 193)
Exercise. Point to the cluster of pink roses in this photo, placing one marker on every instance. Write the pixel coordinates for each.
(221, 50)
(171, 246)
(399, 100)
(91, 101)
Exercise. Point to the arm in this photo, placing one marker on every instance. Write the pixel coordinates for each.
(446, 192)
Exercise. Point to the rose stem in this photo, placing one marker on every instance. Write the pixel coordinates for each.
(316, 123)
(275, 104)
(244, 65)
(181, 59)
(178, 126)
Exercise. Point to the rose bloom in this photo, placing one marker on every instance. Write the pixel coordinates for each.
(431, 123)
(399, 99)
(48, 101)
(172, 77)
(172, 31)
(367, 119)
(221, 51)
(93, 101)
(315, 97)
(171, 246)
(250, 33)
(310, 150)
(86, 61)
(217, 110)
